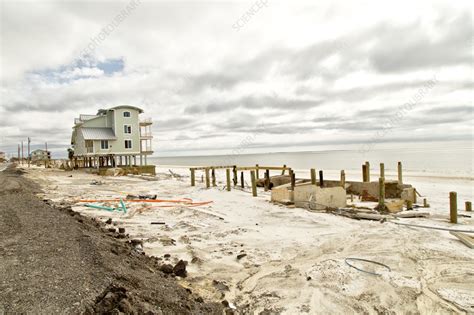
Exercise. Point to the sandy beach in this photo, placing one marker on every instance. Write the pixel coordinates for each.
(260, 257)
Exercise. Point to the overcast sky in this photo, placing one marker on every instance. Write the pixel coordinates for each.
(242, 76)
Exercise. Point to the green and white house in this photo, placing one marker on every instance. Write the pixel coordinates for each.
(113, 137)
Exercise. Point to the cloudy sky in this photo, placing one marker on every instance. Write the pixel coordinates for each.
(254, 76)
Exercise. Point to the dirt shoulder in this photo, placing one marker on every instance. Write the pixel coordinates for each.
(52, 260)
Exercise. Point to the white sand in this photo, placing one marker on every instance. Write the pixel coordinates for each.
(295, 258)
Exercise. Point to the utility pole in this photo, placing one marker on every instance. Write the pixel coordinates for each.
(22, 156)
(29, 141)
(18, 152)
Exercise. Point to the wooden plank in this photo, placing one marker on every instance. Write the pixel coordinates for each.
(465, 238)
(203, 168)
(412, 214)
(253, 168)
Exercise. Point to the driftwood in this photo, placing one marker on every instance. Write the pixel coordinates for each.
(412, 214)
(468, 240)
(359, 215)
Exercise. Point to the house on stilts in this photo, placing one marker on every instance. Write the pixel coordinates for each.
(114, 137)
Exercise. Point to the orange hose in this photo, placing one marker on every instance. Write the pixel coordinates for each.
(186, 201)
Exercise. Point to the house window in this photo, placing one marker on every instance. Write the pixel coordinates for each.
(126, 114)
(127, 129)
(128, 144)
(104, 144)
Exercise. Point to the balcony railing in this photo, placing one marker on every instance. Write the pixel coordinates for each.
(146, 135)
(146, 121)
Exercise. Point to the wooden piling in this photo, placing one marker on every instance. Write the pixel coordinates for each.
(267, 180)
(213, 176)
(400, 175)
(453, 207)
(283, 171)
(257, 171)
(234, 172)
(208, 184)
(254, 183)
(381, 194)
(425, 203)
(382, 170)
(313, 176)
(367, 170)
(292, 179)
(227, 174)
(468, 205)
(364, 173)
(321, 179)
(343, 179)
(193, 178)
(242, 180)
(409, 205)
(352, 197)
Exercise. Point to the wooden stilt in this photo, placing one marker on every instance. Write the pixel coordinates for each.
(227, 174)
(254, 183)
(381, 206)
(343, 179)
(468, 205)
(453, 207)
(234, 171)
(283, 172)
(364, 173)
(208, 184)
(193, 179)
(293, 179)
(313, 176)
(425, 203)
(267, 180)
(382, 170)
(242, 181)
(400, 175)
(367, 169)
(213, 174)
(321, 179)
(256, 171)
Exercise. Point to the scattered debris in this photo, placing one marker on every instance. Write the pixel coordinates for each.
(468, 240)
(412, 214)
(166, 268)
(141, 197)
(180, 269)
(95, 182)
(366, 260)
(161, 223)
(240, 256)
(109, 221)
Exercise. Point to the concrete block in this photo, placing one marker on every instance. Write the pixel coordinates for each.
(282, 194)
(409, 194)
(317, 198)
(394, 206)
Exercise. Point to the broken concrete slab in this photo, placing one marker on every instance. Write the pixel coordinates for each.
(310, 196)
(409, 194)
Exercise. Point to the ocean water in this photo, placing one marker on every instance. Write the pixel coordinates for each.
(439, 159)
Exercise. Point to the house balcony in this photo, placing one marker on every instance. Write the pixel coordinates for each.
(146, 122)
(146, 150)
(146, 135)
